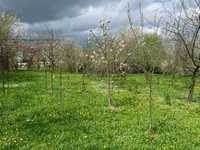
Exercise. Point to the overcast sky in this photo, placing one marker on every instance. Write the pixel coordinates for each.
(76, 17)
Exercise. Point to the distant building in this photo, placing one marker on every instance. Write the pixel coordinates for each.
(29, 55)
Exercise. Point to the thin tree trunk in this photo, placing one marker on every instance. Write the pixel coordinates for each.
(52, 71)
(8, 71)
(192, 85)
(3, 82)
(150, 103)
(148, 77)
(52, 79)
(109, 88)
(3, 71)
(83, 82)
(61, 85)
(46, 77)
(7, 81)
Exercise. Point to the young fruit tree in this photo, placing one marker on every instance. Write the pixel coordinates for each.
(104, 44)
(107, 54)
(151, 56)
(149, 52)
(50, 57)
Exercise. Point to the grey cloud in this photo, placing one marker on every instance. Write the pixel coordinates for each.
(74, 18)
(46, 10)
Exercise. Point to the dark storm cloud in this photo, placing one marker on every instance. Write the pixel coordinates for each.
(74, 18)
(46, 10)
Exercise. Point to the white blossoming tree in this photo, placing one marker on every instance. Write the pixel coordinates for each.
(108, 54)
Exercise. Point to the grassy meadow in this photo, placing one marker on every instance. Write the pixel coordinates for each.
(32, 117)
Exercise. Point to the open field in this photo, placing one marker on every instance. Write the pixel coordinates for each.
(100, 74)
(31, 117)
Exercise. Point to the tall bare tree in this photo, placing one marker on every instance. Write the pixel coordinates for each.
(184, 27)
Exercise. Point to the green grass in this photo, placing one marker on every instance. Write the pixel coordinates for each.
(33, 118)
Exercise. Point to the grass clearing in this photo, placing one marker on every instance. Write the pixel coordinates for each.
(32, 118)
